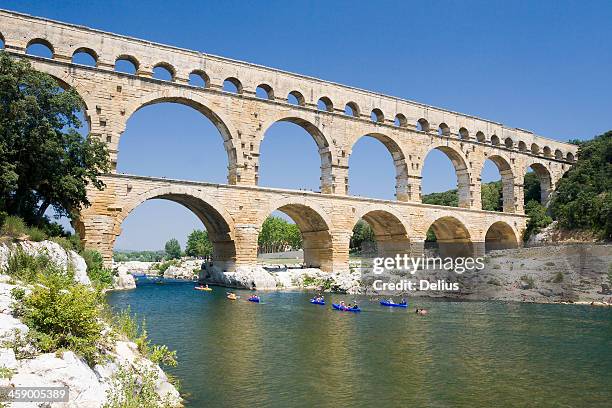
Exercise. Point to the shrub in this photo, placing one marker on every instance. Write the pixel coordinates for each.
(124, 323)
(13, 227)
(95, 268)
(7, 373)
(26, 267)
(558, 277)
(35, 234)
(538, 218)
(134, 389)
(64, 243)
(62, 316)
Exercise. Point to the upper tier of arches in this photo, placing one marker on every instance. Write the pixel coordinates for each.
(105, 49)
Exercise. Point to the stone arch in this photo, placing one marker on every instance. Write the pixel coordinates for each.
(547, 152)
(166, 66)
(535, 149)
(522, 146)
(500, 235)
(319, 138)
(422, 125)
(480, 137)
(235, 82)
(452, 236)
(399, 162)
(570, 157)
(461, 171)
(314, 225)
(354, 109)
(299, 97)
(88, 51)
(390, 231)
(325, 104)
(216, 219)
(444, 129)
(558, 154)
(545, 178)
(377, 116)
(507, 178)
(67, 81)
(267, 89)
(400, 120)
(464, 134)
(509, 143)
(202, 75)
(41, 41)
(130, 58)
(199, 103)
(495, 140)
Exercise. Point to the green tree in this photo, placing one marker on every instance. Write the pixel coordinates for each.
(583, 198)
(198, 244)
(44, 161)
(277, 235)
(532, 189)
(173, 249)
(492, 196)
(449, 198)
(362, 232)
(538, 218)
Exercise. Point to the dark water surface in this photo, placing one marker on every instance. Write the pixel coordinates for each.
(286, 352)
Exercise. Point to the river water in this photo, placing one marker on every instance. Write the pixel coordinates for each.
(286, 352)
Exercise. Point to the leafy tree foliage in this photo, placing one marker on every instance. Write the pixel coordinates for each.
(173, 249)
(583, 198)
(44, 161)
(538, 218)
(492, 196)
(532, 189)
(278, 235)
(144, 256)
(362, 232)
(198, 244)
(449, 198)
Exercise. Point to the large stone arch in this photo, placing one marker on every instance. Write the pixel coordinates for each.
(200, 104)
(544, 176)
(390, 230)
(504, 166)
(218, 222)
(314, 130)
(402, 185)
(452, 236)
(314, 224)
(462, 171)
(500, 235)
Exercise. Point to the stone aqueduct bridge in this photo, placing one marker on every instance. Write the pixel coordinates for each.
(234, 213)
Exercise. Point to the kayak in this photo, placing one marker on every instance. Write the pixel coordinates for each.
(344, 308)
(254, 300)
(386, 303)
(317, 302)
(205, 289)
(230, 297)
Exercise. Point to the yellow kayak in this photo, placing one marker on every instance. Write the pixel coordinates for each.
(232, 297)
(201, 288)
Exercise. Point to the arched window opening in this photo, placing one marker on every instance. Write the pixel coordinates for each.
(400, 120)
(292, 155)
(325, 104)
(40, 48)
(509, 143)
(558, 154)
(197, 230)
(168, 139)
(85, 56)
(422, 125)
(535, 149)
(570, 157)
(443, 130)
(547, 151)
(264, 91)
(377, 116)
(449, 237)
(232, 85)
(390, 171)
(445, 178)
(480, 137)
(522, 146)
(378, 233)
(199, 79)
(126, 64)
(351, 109)
(296, 98)
(296, 233)
(500, 236)
(495, 140)
(464, 134)
(497, 185)
(164, 72)
(537, 184)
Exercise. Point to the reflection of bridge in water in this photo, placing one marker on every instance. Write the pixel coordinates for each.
(336, 116)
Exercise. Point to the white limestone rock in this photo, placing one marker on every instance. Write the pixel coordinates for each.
(123, 280)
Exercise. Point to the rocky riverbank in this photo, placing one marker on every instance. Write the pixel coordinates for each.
(90, 386)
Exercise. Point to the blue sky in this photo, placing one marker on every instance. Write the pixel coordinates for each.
(539, 65)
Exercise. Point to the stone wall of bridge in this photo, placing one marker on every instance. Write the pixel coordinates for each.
(233, 215)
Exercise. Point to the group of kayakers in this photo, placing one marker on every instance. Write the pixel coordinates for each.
(320, 300)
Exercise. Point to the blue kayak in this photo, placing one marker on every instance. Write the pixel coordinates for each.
(254, 300)
(317, 302)
(344, 308)
(386, 303)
